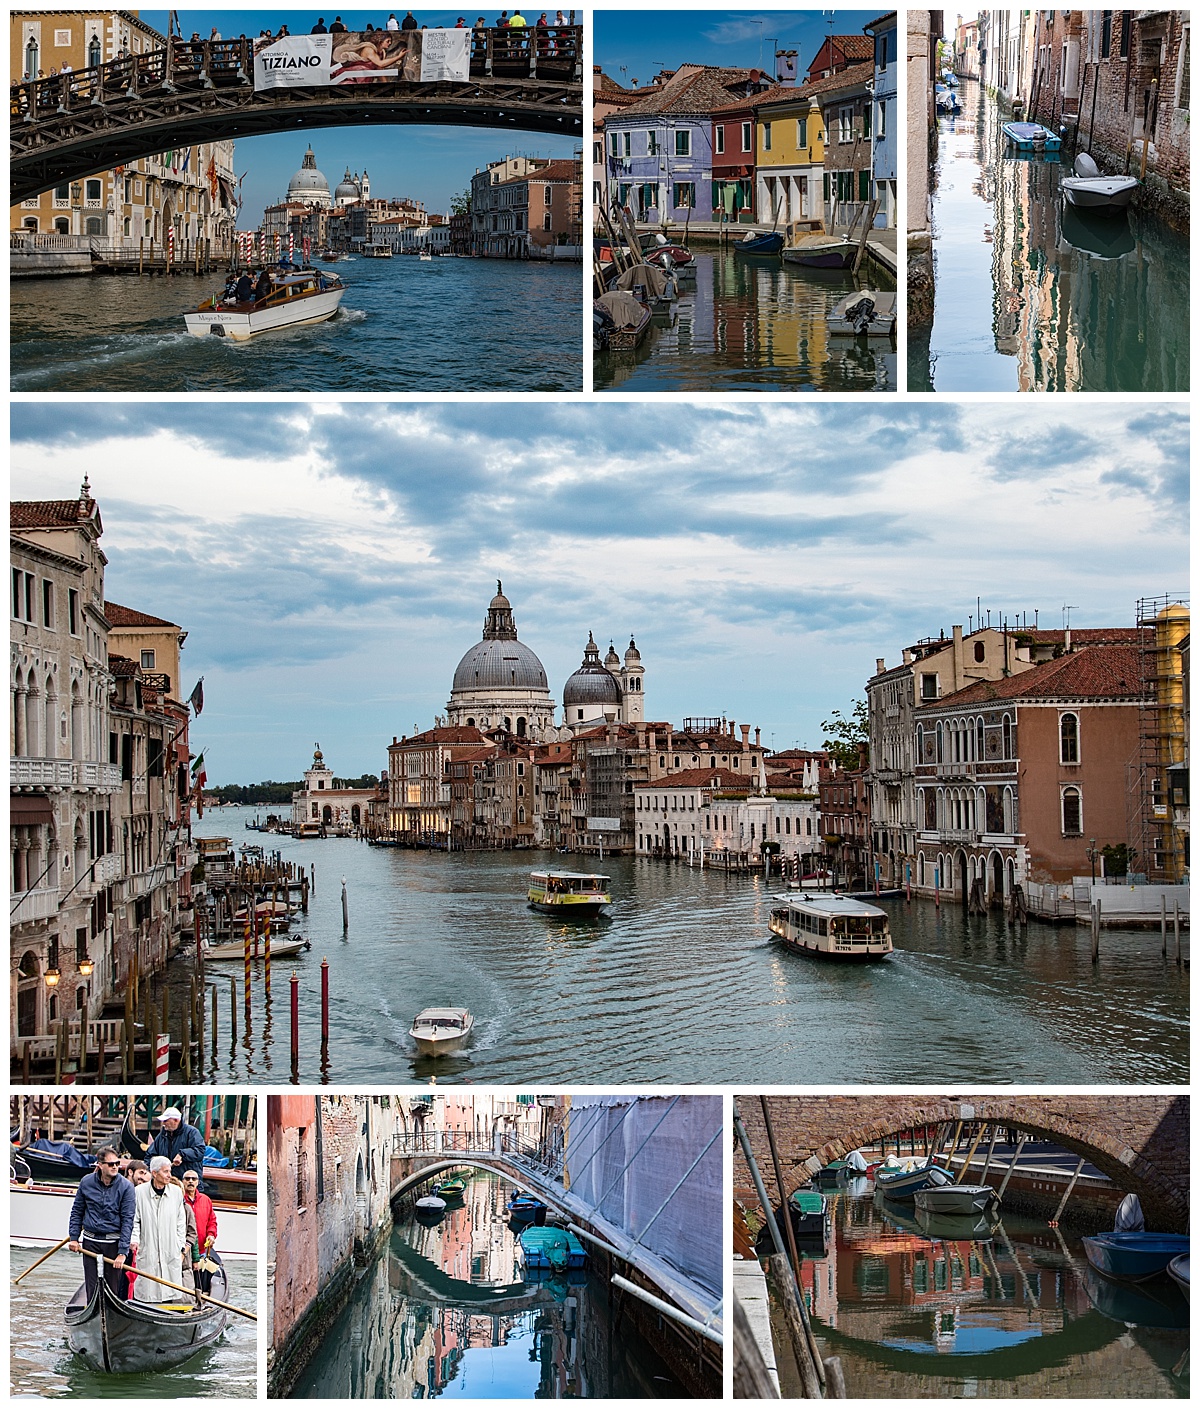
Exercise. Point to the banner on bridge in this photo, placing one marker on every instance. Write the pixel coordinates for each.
(332, 60)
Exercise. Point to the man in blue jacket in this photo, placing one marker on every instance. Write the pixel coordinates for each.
(181, 1143)
(102, 1221)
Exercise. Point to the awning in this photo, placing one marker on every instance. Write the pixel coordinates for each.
(30, 810)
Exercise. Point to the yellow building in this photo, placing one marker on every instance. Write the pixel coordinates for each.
(789, 156)
(190, 189)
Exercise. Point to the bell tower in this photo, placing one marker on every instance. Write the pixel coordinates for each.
(633, 704)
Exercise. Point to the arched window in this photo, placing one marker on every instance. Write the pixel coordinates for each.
(1009, 818)
(30, 223)
(979, 739)
(1068, 738)
(94, 51)
(31, 58)
(980, 651)
(1072, 812)
(1006, 736)
(920, 868)
(520, 814)
(920, 743)
(939, 741)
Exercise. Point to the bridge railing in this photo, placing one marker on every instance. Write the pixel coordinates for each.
(186, 65)
(467, 1142)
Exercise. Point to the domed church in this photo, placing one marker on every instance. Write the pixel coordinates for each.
(604, 692)
(309, 185)
(500, 683)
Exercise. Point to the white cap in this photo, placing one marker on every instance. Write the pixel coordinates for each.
(171, 1113)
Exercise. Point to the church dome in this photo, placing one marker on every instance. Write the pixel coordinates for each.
(591, 684)
(348, 189)
(612, 660)
(499, 661)
(309, 184)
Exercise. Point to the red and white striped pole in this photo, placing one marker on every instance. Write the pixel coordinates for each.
(291, 247)
(162, 1057)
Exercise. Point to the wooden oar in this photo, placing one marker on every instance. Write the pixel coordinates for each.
(175, 1287)
(43, 1257)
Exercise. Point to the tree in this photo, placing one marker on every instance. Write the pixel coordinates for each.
(461, 204)
(843, 734)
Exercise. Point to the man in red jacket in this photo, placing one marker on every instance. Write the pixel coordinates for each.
(206, 1225)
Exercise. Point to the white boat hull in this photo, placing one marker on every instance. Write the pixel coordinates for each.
(241, 326)
(40, 1217)
(957, 1199)
(280, 949)
(1102, 194)
(438, 1046)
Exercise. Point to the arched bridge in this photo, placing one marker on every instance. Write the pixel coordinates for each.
(427, 1166)
(76, 124)
(1140, 1142)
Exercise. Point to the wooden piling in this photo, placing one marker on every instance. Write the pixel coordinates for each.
(295, 1026)
(1178, 938)
(187, 1045)
(214, 1025)
(751, 1378)
(793, 1316)
(232, 1009)
(1095, 931)
(324, 1004)
(962, 1173)
(1163, 921)
(1012, 1165)
(1067, 1192)
(101, 1058)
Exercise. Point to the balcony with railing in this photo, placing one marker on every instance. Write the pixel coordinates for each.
(40, 772)
(40, 904)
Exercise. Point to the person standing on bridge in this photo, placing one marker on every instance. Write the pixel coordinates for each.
(319, 27)
(337, 27)
(409, 21)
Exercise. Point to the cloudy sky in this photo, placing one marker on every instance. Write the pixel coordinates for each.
(332, 563)
(430, 164)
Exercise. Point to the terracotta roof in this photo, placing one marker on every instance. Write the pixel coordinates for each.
(118, 615)
(445, 734)
(50, 513)
(850, 77)
(1084, 636)
(1100, 672)
(778, 93)
(887, 15)
(854, 46)
(556, 171)
(723, 778)
(693, 90)
(609, 88)
(122, 667)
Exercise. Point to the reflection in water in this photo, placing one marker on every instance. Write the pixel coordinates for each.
(1035, 296)
(1014, 1312)
(753, 324)
(685, 985)
(443, 1310)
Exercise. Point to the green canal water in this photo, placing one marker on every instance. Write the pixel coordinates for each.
(1033, 296)
(753, 324)
(444, 1311)
(42, 1364)
(683, 984)
(1018, 1315)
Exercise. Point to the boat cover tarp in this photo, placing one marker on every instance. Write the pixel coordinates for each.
(215, 1159)
(1130, 1218)
(807, 1201)
(554, 1244)
(622, 308)
(64, 1150)
(855, 1160)
(653, 279)
(624, 1156)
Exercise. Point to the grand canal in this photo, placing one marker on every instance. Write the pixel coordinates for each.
(44, 1366)
(1017, 1314)
(404, 325)
(1034, 296)
(753, 324)
(444, 1311)
(681, 983)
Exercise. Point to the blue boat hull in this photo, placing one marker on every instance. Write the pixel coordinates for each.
(1133, 1257)
(903, 1187)
(770, 243)
(1031, 137)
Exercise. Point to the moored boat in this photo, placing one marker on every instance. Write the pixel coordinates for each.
(451, 1189)
(1089, 190)
(959, 1200)
(768, 242)
(620, 321)
(236, 949)
(524, 1208)
(902, 1182)
(132, 1337)
(1031, 137)
(430, 1208)
(868, 313)
(976, 1227)
(807, 1209)
(574, 894)
(821, 252)
(1179, 1269)
(551, 1249)
(1134, 1256)
(295, 300)
(831, 927)
(438, 1031)
(56, 1160)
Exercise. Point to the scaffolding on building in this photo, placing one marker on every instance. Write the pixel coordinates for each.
(1157, 844)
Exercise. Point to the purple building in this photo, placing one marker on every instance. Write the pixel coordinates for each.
(659, 149)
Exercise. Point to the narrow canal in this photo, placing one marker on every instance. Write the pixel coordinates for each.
(44, 1366)
(1031, 295)
(753, 324)
(404, 325)
(682, 983)
(1016, 1314)
(445, 1310)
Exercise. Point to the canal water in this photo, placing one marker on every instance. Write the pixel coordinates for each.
(753, 324)
(44, 1366)
(404, 324)
(444, 1311)
(682, 983)
(1033, 296)
(1015, 1315)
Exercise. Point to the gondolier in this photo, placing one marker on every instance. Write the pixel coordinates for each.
(159, 1232)
(102, 1220)
(180, 1143)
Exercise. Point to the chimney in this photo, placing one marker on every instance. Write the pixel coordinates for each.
(732, 728)
(670, 739)
(641, 735)
(745, 736)
(757, 736)
(879, 665)
(906, 656)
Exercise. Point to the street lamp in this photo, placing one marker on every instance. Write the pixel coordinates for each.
(52, 977)
(85, 968)
(1092, 853)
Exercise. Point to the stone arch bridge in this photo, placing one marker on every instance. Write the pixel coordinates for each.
(1140, 1142)
(74, 125)
(409, 1172)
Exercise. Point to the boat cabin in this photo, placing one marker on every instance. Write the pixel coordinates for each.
(569, 882)
(833, 926)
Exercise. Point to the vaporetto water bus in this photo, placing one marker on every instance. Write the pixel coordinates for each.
(574, 894)
(831, 927)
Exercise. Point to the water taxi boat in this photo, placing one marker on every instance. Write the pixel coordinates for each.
(294, 301)
(579, 894)
(437, 1031)
(426, 254)
(831, 927)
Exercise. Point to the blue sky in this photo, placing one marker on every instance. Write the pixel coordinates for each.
(636, 44)
(332, 563)
(431, 164)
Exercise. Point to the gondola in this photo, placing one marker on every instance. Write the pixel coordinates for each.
(131, 1337)
(57, 1161)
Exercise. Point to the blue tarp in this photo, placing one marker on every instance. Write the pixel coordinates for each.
(64, 1151)
(214, 1159)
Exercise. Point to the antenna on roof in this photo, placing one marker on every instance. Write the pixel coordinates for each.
(829, 18)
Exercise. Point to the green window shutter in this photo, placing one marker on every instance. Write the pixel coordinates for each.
(825, 184)
(866, 122)
(864, 185)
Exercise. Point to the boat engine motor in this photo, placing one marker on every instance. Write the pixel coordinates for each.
(861, 314)
(1085, 166)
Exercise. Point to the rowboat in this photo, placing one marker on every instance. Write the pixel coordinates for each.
(430, 1208)
(524, 1208)
(56, 1159)
(902, 1184)
(1133, 1257)
(960, 1200)
(452, 1189)
(831, 927)
(236, 949)
(552, 1249)
(438, 1031)
(1180, 1272)
(1031, 137)
(821, 252)
(131, 1337)
(769, 242)
(807, 1209)
(573, 894)
(1088, 190)
(619, 321)
(294, 301)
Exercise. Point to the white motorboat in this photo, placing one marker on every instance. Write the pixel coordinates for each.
(818, 251)
(831, 927)
(430, 1203)
(867, 313)
(236, 949)
(294, 301)
(438, 1031)
(958, 1199)
(569, 894)
(1103, 195)
(426, 254)
(377, 251)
